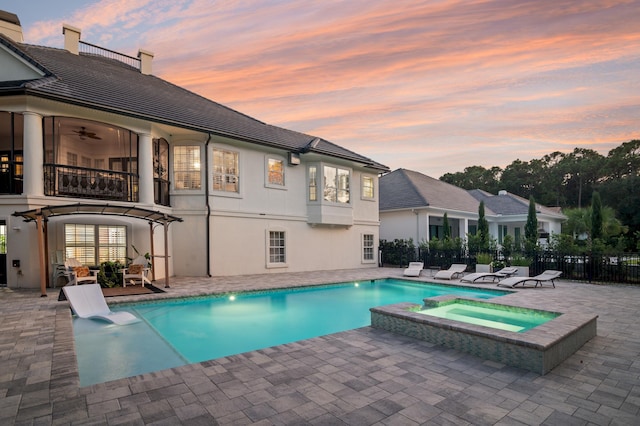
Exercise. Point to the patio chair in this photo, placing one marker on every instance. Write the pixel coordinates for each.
(87, 301)
(457, 269)
(77, 273)
(413, 270)
(136, 272)
(547, 276)
(501, 274)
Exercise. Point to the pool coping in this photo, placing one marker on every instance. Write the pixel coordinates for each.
(539, 349)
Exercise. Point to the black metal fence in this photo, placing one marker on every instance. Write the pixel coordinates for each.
(621, 268)
(592, 268)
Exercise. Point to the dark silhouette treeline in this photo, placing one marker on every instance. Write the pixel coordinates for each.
(568, 180)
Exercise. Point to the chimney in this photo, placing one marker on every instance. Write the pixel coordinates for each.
(146, 58)
(10, 26)
(71, 38)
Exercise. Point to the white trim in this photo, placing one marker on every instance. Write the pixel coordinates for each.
(268, 157)
(268, 263)
(221, 193)
(362, 247)
(373, 187)
(172, 162)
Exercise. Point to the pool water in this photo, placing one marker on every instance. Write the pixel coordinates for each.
(185, 331)
(502, 318)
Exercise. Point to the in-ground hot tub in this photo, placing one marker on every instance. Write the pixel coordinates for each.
(539, 348)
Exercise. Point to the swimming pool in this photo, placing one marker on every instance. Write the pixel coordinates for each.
(184, 331)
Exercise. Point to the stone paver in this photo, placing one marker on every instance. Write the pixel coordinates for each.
(362, 377)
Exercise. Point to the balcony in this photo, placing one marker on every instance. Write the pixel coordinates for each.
(81, 182)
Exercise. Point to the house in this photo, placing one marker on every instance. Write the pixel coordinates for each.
(102, 159)
(412, 205)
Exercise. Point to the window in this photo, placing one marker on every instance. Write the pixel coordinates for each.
(367, 248)
(313, 184)
(94, 244)
(225, 171)
(336, 184)
(277, 248)
(161, 172)
(72, 159)
(367, 188)
(502, 232)
(186, 167)
(275, 172)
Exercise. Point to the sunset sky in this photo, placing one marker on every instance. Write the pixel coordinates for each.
(431, 86)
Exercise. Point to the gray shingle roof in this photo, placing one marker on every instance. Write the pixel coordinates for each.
(105, 84)
(402, 189)
(510, 204)
(406, 189)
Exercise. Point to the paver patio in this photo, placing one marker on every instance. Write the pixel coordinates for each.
(359, 377)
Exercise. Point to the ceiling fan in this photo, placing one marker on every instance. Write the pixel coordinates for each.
(83, 133)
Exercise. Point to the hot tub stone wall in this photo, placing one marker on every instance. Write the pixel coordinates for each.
(524, 350)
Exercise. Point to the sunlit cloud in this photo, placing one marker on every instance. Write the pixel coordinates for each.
(434, 86)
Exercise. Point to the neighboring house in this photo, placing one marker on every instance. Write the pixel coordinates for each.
(103, 156)
(413, 205)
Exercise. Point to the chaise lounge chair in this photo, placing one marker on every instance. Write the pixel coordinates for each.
(547, 276)
(501, 274)
(454, 270)
(413, 270)
(87, 301)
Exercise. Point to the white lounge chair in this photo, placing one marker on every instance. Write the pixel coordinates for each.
(454, 270)
(413, 270)
(136, 272)
(498, 275)
(87, 301)
(547, 276)
(77, 273)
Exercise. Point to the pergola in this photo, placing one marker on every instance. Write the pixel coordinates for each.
(41, 216)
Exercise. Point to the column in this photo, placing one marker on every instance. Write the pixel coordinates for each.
(33, 184)
(463, 228)
(426, 230)
(145, 169)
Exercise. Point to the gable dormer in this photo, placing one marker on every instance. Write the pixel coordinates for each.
(15, 67)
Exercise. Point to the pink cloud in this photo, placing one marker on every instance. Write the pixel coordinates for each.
(521, 78)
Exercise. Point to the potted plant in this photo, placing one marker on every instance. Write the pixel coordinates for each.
(109, 274)
(483, 262)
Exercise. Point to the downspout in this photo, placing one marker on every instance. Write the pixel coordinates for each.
(417, 213)
(206, 195)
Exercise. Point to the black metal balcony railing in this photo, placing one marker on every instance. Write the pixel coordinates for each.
(92, 49)
(81, 182)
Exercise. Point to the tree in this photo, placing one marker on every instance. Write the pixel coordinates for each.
(623, 161)
(483, 229)
(446, 232)
(596, 216)
(531, 228)
(582, 170)
(475, 177)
